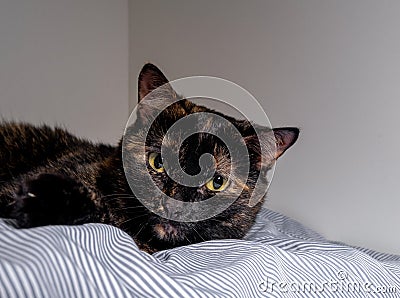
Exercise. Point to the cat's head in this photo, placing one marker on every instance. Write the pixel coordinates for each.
(160, 233)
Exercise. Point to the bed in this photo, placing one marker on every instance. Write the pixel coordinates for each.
(278, 258)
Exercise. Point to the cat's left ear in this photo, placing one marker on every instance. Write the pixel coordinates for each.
(284, 138)
(150, 78)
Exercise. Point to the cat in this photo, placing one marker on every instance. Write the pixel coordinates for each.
(50, 177)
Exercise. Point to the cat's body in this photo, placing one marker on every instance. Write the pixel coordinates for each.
(48, 176)
(30, 153)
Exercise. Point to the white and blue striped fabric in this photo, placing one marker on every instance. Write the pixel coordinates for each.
(278, 258)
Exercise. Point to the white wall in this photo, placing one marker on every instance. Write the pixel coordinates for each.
(330, 67)
(66, 62)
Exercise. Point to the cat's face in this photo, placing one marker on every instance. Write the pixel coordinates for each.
(159, 233)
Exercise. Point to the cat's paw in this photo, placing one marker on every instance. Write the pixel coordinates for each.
(52, 199)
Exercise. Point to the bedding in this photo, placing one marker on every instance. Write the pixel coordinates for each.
(278, 258)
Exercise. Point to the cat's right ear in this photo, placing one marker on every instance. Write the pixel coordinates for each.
(150, 78)
(153, 90)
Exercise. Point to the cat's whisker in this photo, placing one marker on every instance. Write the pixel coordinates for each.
(108, 200)
(133, 213)
(130, 219)
(151, 238)
(129, 208)
(188, 239)
(194, 229)
(113, 195)
(141, 228)
(117, 194)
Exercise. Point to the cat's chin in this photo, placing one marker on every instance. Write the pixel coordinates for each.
(168, 231)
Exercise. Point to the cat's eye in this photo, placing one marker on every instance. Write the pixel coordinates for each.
(218, 183)
(155, 162)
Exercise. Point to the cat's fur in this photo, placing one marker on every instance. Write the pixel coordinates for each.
(48, 176)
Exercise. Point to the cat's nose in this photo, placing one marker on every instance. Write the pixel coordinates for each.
(169, 208)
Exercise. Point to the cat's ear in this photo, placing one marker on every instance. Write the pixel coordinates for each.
(156, 89)
(274, 142)
(284, 138)
(150, 78)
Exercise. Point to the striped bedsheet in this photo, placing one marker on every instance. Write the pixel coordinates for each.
(278, 258)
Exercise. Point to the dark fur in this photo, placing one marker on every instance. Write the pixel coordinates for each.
(48, 176)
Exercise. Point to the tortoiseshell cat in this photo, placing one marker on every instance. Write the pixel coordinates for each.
(49, 177)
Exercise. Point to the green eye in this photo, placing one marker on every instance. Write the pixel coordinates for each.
(218, 183)
(155, 162)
